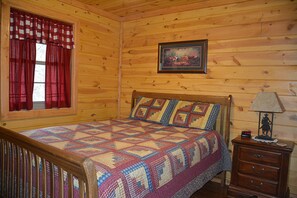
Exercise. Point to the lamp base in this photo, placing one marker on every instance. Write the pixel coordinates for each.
(263, 138)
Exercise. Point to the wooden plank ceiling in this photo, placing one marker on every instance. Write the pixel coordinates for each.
(126, 10)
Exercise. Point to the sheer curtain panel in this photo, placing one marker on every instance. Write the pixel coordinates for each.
(21, 78)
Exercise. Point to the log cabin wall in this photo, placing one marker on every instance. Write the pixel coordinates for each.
(97, 62)
(252, 48)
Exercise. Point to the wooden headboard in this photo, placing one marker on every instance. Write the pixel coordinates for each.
(223, 120)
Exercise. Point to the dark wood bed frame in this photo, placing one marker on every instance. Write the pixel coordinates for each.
(17, 148)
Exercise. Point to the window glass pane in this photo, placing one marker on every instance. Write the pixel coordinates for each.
(39, 73)
(39, 77)
(39, 105)
(40, 52)
(39, 92)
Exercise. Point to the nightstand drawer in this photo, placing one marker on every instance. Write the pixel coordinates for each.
(257, 170)
(260, 156)
(257, 185)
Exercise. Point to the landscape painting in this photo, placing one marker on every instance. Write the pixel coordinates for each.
(183, 57)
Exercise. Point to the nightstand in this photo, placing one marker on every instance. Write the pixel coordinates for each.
(260, 169)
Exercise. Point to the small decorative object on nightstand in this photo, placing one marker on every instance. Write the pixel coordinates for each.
(260, 169)
(246, 134)
(266, 103)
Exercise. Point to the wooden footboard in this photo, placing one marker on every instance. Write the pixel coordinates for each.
(22, 174)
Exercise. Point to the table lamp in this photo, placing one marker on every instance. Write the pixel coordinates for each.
(266, 103)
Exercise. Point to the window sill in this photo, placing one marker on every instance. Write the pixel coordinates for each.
(37, 113)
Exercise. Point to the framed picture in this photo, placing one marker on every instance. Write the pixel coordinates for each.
(183, 57)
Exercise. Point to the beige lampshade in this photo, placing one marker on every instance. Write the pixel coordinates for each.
(267, 102)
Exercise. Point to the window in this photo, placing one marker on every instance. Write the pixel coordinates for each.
(39, 73)
(64, 46)
(39, 77)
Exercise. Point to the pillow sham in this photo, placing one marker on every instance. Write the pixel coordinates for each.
(194, 115)
(152, 109)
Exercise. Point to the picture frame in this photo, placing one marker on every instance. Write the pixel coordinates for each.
(183, 57)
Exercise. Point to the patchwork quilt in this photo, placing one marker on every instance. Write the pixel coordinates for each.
(134, 158)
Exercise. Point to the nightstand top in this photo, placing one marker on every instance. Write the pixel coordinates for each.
(249, 141)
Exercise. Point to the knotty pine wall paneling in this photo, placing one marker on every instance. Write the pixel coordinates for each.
(97, 63)
(252, 47)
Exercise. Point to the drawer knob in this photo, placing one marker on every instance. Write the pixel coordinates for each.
(261, 171)
(256, 185)
(258, 155)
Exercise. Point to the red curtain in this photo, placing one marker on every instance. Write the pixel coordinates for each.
(25, 30)
(58, 77)
(21, 74)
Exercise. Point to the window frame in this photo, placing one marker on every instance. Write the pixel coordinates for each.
(34, 113)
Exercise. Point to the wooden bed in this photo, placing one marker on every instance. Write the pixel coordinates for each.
(17, 151)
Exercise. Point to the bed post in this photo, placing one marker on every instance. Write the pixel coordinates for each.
(228, 122)
(133, 99)
(91, 178)
(226, 131)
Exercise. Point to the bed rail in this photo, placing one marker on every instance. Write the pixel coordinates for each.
(22, 174)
